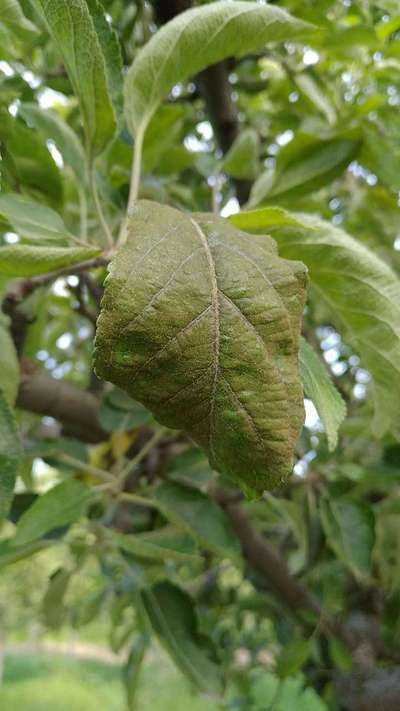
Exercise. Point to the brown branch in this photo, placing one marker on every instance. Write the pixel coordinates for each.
(76, 409)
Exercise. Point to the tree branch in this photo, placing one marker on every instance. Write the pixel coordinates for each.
(76, 409)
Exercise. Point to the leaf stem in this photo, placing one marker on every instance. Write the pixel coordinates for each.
(134, 183)
(97, 204)
(83, 213)
(140, 455)
(86, 467)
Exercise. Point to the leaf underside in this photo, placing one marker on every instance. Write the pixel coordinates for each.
(200, 322)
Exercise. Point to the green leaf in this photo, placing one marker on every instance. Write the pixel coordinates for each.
(12, 17)
(381, 153)
(53, 607)
(266, 218)
(304, 165)
(172, 617)
(10, 455)
(33, 221)
(194, 40)
(28, 159)
(24, 260)
(350, 531)
(363, 297)
(191, 468)
(201, 324)
(241, 161)
(9, 373)
(53, 126)
(61, 506)
(91, 55)
(318, 386)
(316, 96)
(132, 668)
(293, 657)
(119, 413)
(162, 544)
(201, 516)
(9, 553)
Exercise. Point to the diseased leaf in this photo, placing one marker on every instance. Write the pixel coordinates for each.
(172, 616)
(33, 221)
(201, 516)
(10, 455)
(340, 268)
(318, 386)
(200, 323)
(9, 372)
(241, 161)
(24, 260)
(51, 125)
(350, 531)
(194, 40)
(61, 506)
(90, 52)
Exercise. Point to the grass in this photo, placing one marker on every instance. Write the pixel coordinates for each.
(44, 683)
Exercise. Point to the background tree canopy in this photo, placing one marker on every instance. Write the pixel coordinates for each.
(199, 221)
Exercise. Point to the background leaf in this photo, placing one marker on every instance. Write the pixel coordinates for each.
(59, 507)
(349, 529)
(9, 372)
(194, 40)
(10, 455)
(86, 62)
(33, 221)
(22, 260)
(318, 386)
(241, 161)
(173, 618)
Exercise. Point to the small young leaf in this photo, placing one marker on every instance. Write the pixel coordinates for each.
(293, 657)
(241, 161)
(34, 221)
(201, 516)
(61, 506)
(10, 455)
(318, 386)
(53, 608)
(23, 260)
(172, 616)
(194, 40)
(90, 52)
(350, 531)
(201, 323)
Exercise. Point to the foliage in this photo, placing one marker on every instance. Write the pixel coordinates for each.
(155, 404)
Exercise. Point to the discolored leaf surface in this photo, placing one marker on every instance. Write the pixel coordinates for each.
(22, 260)
(201, 323)
(10, 455)
(318, 386)
(194, 40)
(173, 618)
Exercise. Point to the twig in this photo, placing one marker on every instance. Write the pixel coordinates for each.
(139, 457)
(84, 466)
(134, 184)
